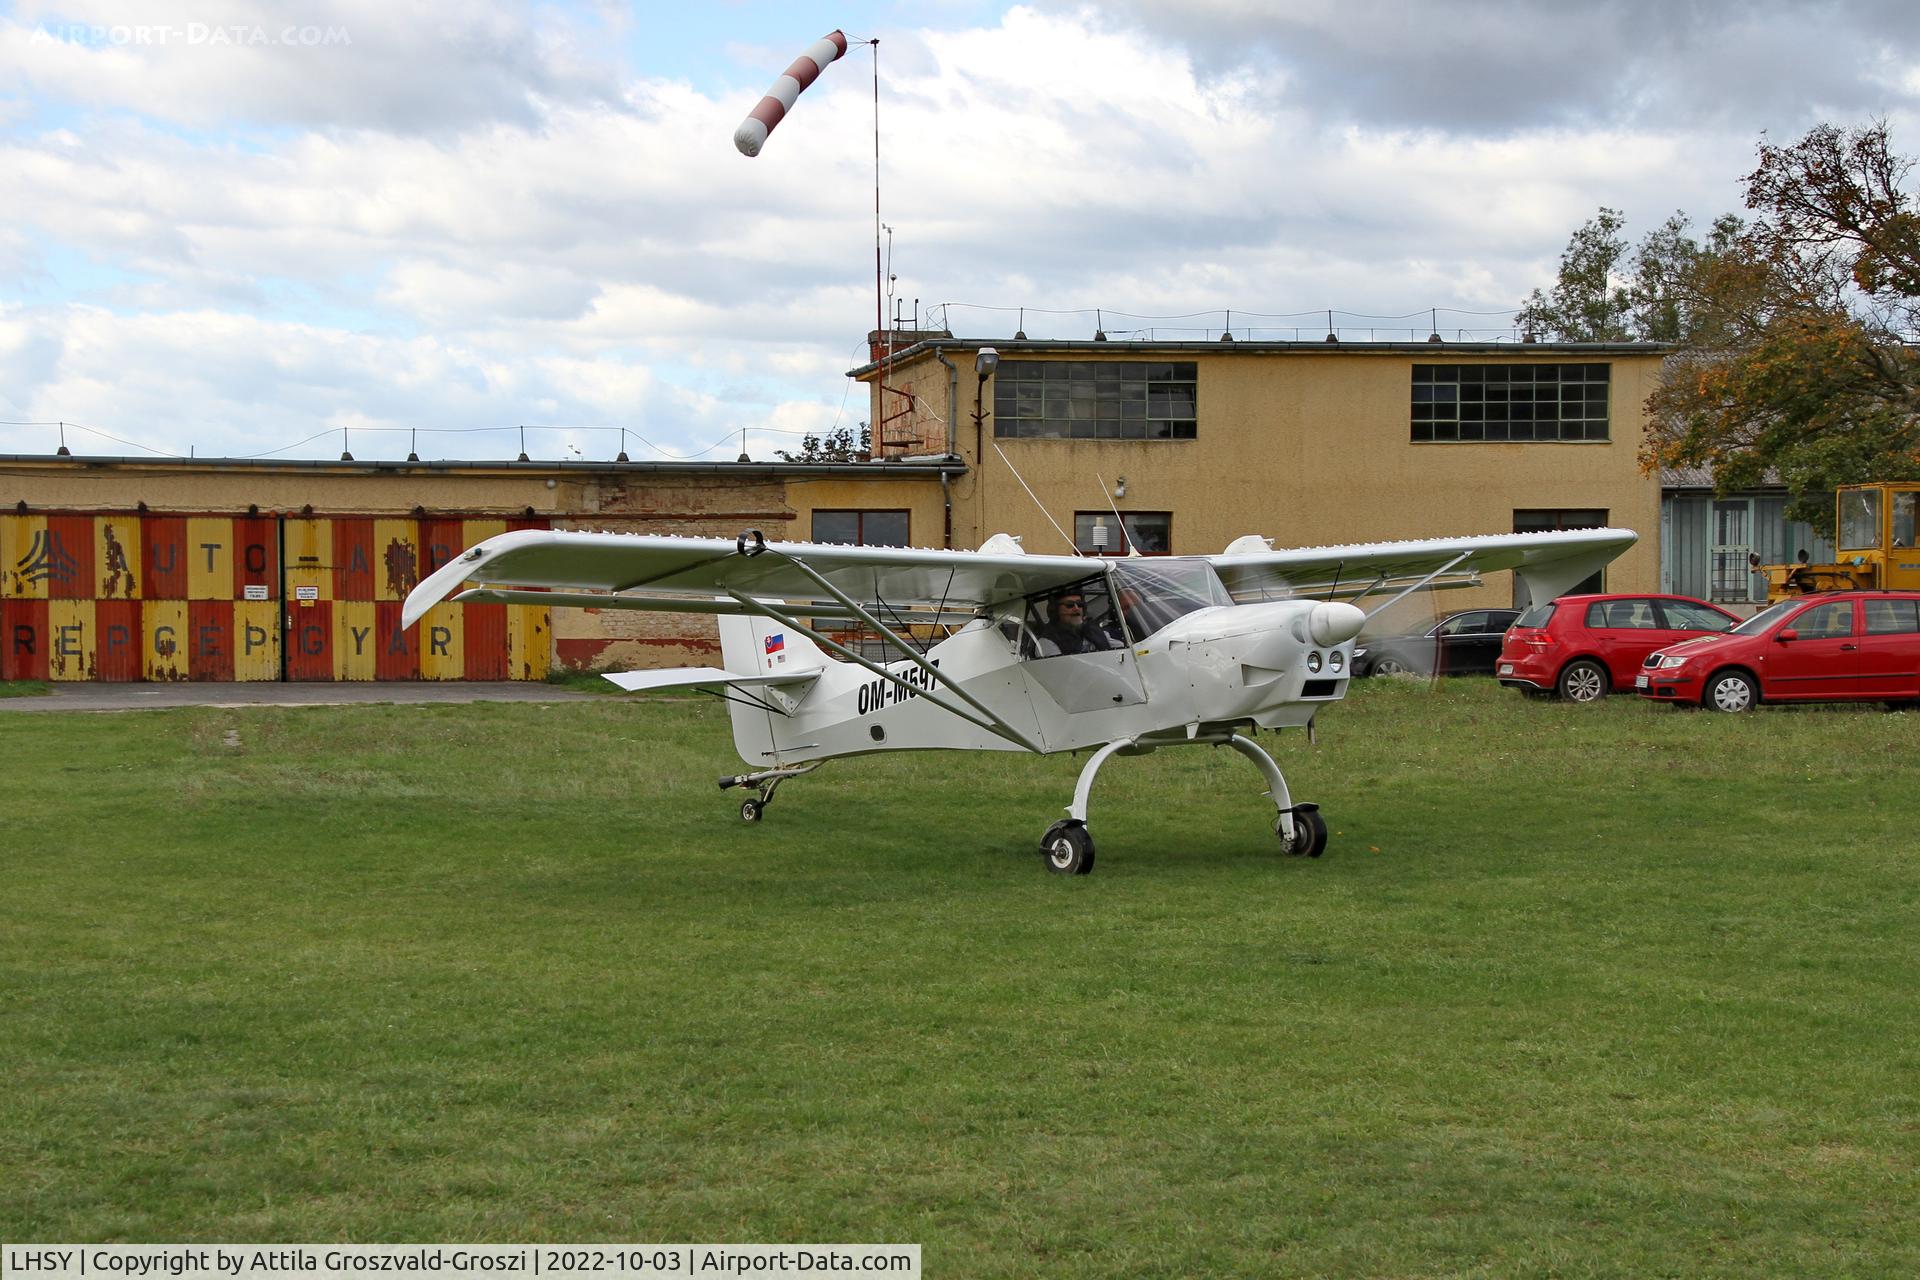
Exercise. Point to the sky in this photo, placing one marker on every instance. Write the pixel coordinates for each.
(242, 229)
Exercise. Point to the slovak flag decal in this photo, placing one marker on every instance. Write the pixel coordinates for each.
(776, 643)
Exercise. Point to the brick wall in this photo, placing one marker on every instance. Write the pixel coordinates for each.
(687, 506)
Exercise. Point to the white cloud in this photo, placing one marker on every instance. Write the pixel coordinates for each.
(430, 66)
(226, 384)
(519, 234)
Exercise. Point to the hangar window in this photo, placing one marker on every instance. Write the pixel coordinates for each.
(1096, 400)
(1507, 402)
(861, 528)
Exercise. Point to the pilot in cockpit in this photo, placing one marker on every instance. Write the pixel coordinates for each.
(1071, 620)
(1068, 630)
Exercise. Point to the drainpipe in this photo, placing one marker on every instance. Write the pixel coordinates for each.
(953, 398)
(953, 443)
(946, 496)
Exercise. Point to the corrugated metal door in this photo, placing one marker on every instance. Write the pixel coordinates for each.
(223, 597)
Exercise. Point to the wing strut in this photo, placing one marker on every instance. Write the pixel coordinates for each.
(994, 723)
(1397, 598)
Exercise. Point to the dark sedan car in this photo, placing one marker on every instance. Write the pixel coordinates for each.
(1460, 644)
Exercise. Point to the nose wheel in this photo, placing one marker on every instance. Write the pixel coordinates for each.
(1309, 836)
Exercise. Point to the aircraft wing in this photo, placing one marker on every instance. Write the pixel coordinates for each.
(1549, 563)
(669, 570)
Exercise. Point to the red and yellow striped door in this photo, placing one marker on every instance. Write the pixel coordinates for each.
(126, 596)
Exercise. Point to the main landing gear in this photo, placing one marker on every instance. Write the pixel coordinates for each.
(767, 781)
(1068, 849)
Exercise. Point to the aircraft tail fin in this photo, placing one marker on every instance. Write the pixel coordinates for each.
(762, 647)
(754, 645)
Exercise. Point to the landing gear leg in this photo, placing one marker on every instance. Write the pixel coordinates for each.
(1067, 847)
(1302, 831)
(767, 782)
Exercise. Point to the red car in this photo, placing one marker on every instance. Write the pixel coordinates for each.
(1836, 646)
(1584, 647)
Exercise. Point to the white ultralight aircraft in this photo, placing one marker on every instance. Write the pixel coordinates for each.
(1036, 653)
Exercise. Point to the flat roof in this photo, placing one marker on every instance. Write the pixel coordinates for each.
(1221, 347)
(901, 468)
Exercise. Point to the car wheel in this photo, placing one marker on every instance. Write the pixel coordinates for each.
(1732, 691)
(1389, 666)
(1584, 681)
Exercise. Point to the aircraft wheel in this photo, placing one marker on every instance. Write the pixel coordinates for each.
(1067, 848)
(750, 810)
(1309, 835)
(1584, 681)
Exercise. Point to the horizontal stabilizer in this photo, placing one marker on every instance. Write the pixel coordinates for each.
(704, 678)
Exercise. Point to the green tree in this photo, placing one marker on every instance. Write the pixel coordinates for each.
(1667, 297)
(843, 444)
(1588, 302)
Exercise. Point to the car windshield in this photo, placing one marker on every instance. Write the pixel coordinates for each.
(1155, 592)
(1765, 618)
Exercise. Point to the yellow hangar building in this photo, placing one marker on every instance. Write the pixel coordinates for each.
(169, 569)
(1307, 443)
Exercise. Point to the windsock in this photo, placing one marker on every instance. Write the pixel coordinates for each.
(753, 131)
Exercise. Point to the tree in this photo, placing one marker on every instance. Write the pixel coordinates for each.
(1666, 299)
(1587, 303)
(1798, 328)
(839, 445)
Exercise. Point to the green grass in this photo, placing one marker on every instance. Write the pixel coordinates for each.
(583, 682)
(1576, 991)
(23, 688)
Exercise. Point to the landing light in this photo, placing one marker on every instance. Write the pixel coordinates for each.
(1334, 660)
(1313, 662)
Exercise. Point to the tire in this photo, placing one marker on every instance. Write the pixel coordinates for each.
(1067, 848)
(1584, 680)
(1388, 665)
(1730, 691)
(1309, 834)
(750, 810)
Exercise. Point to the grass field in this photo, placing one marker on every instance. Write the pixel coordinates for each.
(1576, 991)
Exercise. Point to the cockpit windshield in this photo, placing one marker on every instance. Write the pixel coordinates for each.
(1154, 593)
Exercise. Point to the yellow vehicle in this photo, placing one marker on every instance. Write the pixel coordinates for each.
(1874, 529)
